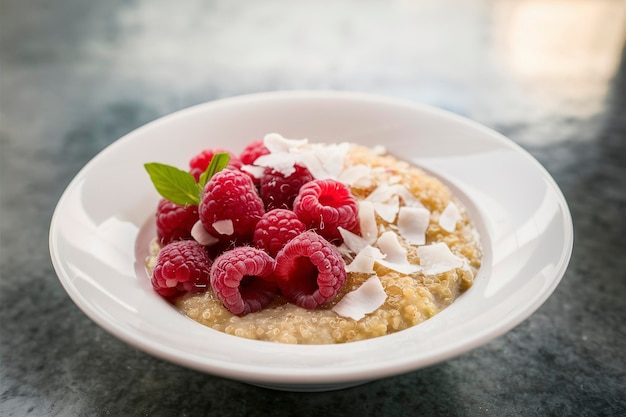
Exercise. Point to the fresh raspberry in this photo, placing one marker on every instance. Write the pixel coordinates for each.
(253, 151)
(325, 205)
(275, 229)
(181, 267)
(201, 161)
(309, 270)
(174, 222)
(279, 191)
(230, 207)
(243, 279)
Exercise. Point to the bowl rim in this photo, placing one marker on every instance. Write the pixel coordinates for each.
(261, 373)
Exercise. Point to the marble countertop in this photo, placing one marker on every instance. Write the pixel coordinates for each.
(551, 75)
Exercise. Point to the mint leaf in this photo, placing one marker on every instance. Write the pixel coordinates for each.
(176, 185)
(218, 163)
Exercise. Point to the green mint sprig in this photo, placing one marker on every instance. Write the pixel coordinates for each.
(180, 187)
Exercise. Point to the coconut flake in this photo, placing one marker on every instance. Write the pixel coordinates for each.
(389, 244)
(364, 300)
(449, 217)
(281, 162)
(367, 221)
(406, 268)
(284, 153)
(200, 235)
(365, 182)
(381, 194)
(311, 161)
(276, 143)
(224, 227)
(364, 260)
(413, 223)
(437, 259)
(407, 197)
(353, 241)
(388, 211)
(394, 179)
(322, 160)
(379, 150)
(356, 174)
(385, 193)
(332, 157)
(395, 254)
(345, 252)
(255, 171)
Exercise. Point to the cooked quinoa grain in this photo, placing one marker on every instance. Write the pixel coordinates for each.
(411, 299)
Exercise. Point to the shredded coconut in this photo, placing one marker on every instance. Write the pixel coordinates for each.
(353, 241)
(200, 235)
(224, 227)
(437, 259)
(449, 217)
(364, 300)
(359, 175)
(413, 223)
(367, 220)
(389, 210)
(254, 170)
(395, 254)
(364, 260)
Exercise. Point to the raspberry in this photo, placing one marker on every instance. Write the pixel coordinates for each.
(243, 280)
(201, 161)
(252, 152)
(275, 229)
(279, 191)
(309, 270)
(230, 207)
(325, 205)
(181, 267)
(174, 222)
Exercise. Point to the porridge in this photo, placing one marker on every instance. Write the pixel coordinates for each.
(330, 243)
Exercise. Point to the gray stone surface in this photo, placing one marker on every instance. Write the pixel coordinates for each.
(78, 74)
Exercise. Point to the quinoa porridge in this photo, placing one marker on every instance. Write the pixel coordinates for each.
(415, 247)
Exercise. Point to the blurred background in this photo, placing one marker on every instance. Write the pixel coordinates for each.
(75, 75)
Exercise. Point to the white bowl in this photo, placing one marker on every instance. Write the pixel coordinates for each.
(103, 221)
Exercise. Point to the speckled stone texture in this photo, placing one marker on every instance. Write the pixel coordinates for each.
(78, 74)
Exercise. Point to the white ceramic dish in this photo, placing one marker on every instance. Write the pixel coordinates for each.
(101, 226)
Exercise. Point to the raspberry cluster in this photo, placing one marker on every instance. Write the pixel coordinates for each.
(273, 235)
